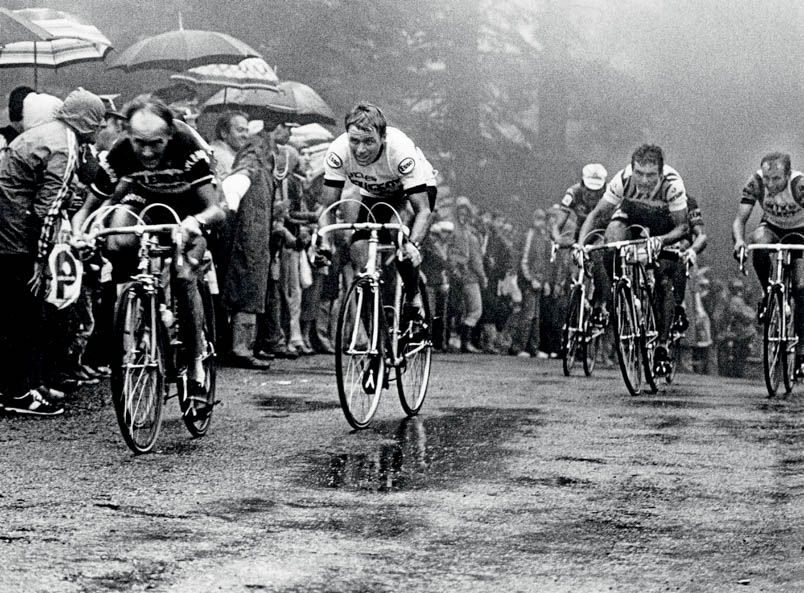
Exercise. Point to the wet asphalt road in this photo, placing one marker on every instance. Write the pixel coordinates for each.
(512, 479)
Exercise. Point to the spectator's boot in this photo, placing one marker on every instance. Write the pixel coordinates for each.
(306, 347)
(466, 341)
(488, 339)
(244, 330)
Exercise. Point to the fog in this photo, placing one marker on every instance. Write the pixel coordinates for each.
(514, 97)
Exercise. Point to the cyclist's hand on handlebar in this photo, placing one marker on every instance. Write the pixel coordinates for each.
(739, 248)
(411, 252)
(690, 257)
(656, 244)
(578, 254)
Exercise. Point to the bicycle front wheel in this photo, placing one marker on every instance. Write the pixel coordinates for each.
(416, 353)
(650, 338)
(572, 333)
(772, 346)
(359, 353)
(196, 410)
(627, 338)
(138, 374)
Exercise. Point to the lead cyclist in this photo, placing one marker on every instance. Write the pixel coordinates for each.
(392, 173)
(159, 162)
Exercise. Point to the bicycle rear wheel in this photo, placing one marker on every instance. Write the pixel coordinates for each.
(571, 333)
(196, 411)
(673, 357)
(359, 353)
(789, 374)
(627, 337)
(138, 373)
(591, 346)
(416, 351)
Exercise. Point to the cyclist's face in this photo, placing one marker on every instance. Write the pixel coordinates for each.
(149, 137)
(237, 135)
(646, 177)
(774, 177)
(365, 145)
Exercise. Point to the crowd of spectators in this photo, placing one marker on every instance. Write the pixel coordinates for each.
(492, 284)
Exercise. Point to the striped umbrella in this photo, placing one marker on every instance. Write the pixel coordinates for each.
(290, 102)
(14, 27)
(251, 73)
(73, 41)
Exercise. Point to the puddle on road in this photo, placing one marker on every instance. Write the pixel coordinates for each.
(276, 403)
(421, 452)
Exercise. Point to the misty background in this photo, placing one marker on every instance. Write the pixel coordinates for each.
(510, 98)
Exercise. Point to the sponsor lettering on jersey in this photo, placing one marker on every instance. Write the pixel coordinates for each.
(406, 166)
(334, 161)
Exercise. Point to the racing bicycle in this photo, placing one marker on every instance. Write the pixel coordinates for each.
(149, 355)
(372, 338)
(778, 315)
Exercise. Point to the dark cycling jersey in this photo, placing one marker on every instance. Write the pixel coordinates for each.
(581, 201)
(184, 167)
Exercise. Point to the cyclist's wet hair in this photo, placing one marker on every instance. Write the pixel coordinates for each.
(781, 157)
(648, 154)
(224, 123)
(15, 100)
(366, 117)
(151, 105)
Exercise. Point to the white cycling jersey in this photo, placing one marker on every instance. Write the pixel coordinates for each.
(400, 168)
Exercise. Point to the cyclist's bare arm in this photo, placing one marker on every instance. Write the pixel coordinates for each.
(738, 226)
(329, 195)
(421, 211)
(602, 211)
(558, 225)
(699, 238)
(681, 227)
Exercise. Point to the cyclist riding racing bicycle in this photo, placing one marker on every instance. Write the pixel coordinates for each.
(390, 171)
(650, 194)
(780, 193)
(581, 199)
(160, 163)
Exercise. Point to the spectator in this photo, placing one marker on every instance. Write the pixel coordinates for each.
(247, 193)
(435, 267)
(16, 101)
(34, 184)
(231, 134)
(534, 273)
(467, 259)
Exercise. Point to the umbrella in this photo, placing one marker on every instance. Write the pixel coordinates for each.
(183, 49)
(290, 102)
(70, 40)
(251, 73)
(14, 27)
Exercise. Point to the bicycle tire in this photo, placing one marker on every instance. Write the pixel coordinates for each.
(360, 354)
(571, 332)
(627, 339)
(771, 343)
(650, 334)
(789, 345)
(674, 357)
(198, 424)
(413, 373)
(139, 355)
(591, 347)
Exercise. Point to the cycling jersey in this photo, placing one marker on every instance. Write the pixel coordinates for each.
(185, 166)
(784, 210)
(400, 168)
(669, 194)
(581, 201)
(663, 223)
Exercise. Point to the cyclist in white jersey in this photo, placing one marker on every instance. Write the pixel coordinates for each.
(390, 171)
(779, 191)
